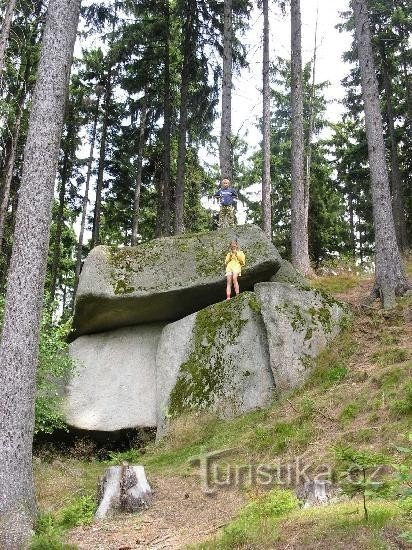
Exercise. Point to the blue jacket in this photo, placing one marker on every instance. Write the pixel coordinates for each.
(227, 196)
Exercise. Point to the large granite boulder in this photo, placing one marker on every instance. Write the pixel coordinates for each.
(165, 279)
(299, 324)
(114, 383)
(216, 359)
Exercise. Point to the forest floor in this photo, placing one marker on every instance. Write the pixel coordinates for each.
(360, 394)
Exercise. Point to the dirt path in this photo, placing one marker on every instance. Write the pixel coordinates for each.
(181, 514)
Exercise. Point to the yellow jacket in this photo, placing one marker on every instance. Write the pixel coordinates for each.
(234, 262)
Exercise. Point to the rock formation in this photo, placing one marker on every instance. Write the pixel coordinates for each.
(181, 347)
(164, 279)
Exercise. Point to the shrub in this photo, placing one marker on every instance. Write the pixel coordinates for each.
(48, 535)
(80, 512)
(355, 469)
(54, 367)
(50, 528)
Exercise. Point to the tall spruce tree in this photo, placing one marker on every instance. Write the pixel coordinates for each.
(300, 247)
(225, 147)
(390, 279)
(20, 335)
(266, 181)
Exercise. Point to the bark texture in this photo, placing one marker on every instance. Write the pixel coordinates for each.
(66, 171)
(225, 148)
(398, 199)
(390, 277)
(85, 200)
(184, 94)
(8, 176)
(5, 31)
(266, 182)
(102, 158)
(19, 344)
(311, 125)
(300, 250)
(167, 128)
(139, 167)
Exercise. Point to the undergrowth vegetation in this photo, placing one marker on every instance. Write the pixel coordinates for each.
(51, 527)
(54, 367)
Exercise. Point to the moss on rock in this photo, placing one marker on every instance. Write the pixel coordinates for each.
(203, 377)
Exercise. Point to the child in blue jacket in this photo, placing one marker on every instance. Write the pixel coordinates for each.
(227, 196)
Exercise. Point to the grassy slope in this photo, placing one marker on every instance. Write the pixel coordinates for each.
(360, 393)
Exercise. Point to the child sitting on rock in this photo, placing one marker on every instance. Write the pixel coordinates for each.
(234, 261)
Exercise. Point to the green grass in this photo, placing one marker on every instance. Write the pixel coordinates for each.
(390, 356)
(350, 412)
(336, 284)
(389, 337)
(51, 527)
(259, 526)
(253, 432)
(332, 363)
(254, 521)
(403, 406)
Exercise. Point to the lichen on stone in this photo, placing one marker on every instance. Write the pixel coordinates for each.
(125, 262)
(308, 319)
(204, 375)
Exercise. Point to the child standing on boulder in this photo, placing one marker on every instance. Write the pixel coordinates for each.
(234, 261)
(227, 196)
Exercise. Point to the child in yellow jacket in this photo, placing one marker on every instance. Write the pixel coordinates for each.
(234, 261)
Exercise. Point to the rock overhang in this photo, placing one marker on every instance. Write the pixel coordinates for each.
(166, 279)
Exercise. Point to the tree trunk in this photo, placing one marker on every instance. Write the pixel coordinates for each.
(300, 251)
(5, 31)
(311, 124)
(9, 169)
(408, 90)
(102, 158)
(167, 128)
(158, 180)
(65, 175)
(22, 316)
(390, 277)
(351, 225)
(85, 200)
(139, 168)
(225, 149)
(184, 92)
(398, 200)
(404, 36)
(266, 181)
(25, 90)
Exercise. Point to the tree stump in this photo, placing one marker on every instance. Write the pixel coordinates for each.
(316, 493)
(123, 489)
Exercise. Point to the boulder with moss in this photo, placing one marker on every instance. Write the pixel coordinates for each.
(299, 322)
(216, 359)
(114, 384)
(165, 279)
